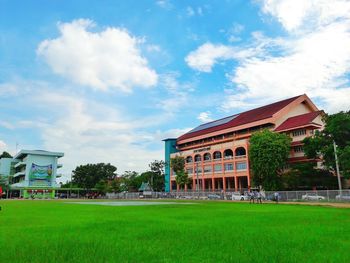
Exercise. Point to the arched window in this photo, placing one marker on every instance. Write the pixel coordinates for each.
(189, 159)
(207, 157)
(197, 158)
(217, 155)
(228, 154)
(240, 151)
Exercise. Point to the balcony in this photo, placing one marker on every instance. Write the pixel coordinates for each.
(19, 164)
(59, 165)
(22, 173)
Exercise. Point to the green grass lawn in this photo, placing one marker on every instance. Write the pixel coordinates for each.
(54, 231)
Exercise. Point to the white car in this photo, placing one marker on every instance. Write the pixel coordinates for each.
(239, 197)
(343, 197)
(312, 197)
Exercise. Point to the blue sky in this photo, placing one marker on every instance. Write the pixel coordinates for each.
(106, 81)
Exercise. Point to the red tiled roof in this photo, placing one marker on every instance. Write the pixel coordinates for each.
(243, 118)
(298, 121)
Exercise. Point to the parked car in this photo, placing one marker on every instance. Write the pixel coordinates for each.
(214, 196)
(239, 197)
(312, 197)
(343, 197)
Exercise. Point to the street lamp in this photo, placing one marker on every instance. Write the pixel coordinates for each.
(197, 187)
(337, 167)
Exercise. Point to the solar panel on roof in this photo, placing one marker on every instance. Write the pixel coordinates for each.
(213, 123)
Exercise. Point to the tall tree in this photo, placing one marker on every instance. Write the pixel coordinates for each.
(337, 129)
(178, 165)
(87, 176)
(157, 175)
(268, 153)
(5, 155)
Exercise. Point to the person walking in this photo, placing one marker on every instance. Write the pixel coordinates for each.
(251, 197)
(258, 197)
(276, 197)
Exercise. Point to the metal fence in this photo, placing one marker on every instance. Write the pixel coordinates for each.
(284, 196)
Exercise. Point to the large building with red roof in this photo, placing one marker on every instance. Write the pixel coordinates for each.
(216, 153)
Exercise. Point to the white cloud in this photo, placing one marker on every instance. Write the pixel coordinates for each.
(107, 59)
(165, 4)
(204, 58)
(301, 14)
(205, 116)
(190, 11)
(314, 58)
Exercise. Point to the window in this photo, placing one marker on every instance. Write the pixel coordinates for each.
(241, 166)
(217, 155)
(207, 169)
(299, 132)
(197, 158)
(217, 168)
(199, 169)
(229, 167)
(189, 159)
(298, 149)
(189, 170)
(207, 157)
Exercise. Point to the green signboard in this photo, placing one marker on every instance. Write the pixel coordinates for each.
(40, 175)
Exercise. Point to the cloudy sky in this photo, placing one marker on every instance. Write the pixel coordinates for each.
(106, 81)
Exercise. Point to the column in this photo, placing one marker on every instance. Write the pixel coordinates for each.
(213, 183)
(236, 183)
(185, 187)
(224, 184)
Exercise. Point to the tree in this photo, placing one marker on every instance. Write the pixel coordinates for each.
(103, 187)
(87, 176)
(178, 165)
(337, 128)
(115, 186)
(157, 175)
(305, 176)
(5, 155)
(131, 181)
(268, 153)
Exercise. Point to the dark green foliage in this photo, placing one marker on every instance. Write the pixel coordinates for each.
(157, 175)
(268, 153)
(5, 155)
(305, 176)
(337, 128)
(131, 181)
(178, 165)
(87, 176)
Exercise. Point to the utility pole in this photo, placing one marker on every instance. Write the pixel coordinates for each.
(337, 167)
(197, 187)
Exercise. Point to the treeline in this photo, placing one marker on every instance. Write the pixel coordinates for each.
(104, 178)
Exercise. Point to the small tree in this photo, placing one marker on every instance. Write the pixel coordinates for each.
(5, 155)
(178, 165)
(268, 155)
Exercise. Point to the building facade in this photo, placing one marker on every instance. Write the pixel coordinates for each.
(33, 173)
(217, 153)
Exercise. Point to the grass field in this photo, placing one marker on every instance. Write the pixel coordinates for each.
(54, 231)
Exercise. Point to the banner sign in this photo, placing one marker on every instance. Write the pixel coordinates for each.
(40, 175)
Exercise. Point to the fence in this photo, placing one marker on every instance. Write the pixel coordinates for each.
(287, 196)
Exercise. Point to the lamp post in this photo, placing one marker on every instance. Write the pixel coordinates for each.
(337, 167)
(197, 186)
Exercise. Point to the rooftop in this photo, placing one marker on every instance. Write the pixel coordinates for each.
(298, 121)
(250, 116)
(22, 153)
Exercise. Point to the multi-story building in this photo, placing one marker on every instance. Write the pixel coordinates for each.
(32, 172)
(216, 153)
